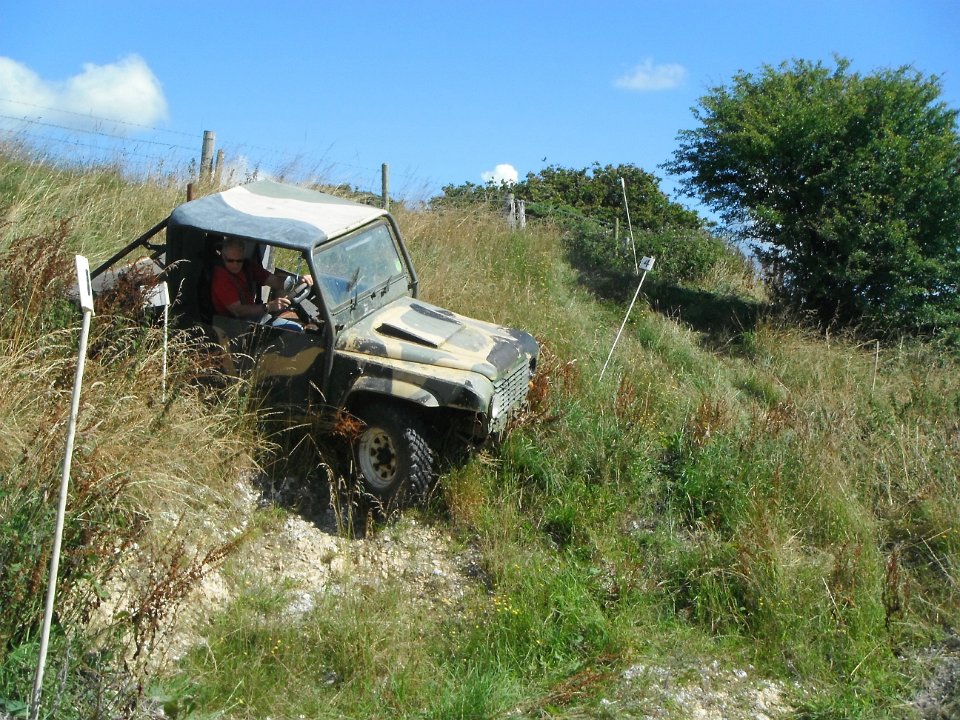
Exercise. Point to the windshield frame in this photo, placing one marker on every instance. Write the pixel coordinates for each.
(362, 271)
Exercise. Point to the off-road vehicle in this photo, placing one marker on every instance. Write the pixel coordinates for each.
(411, 372)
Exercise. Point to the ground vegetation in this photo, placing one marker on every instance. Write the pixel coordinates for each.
(745, 516)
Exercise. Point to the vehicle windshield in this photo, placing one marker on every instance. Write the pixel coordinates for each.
(360, 263)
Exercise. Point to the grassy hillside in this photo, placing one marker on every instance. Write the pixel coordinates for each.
(736, 489)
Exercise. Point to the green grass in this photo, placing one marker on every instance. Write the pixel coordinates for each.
(735, 488)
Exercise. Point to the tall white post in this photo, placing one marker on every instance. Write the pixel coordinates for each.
(159, 296)
(623, 184)
(646, 265)
(86, 304)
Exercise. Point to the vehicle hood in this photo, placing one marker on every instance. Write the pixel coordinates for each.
(412, 330)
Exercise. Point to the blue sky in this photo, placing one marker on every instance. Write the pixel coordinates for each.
(445, 92)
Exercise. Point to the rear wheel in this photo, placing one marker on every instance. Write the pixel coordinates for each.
(394, 456)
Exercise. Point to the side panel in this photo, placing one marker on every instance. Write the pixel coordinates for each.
(287, 367)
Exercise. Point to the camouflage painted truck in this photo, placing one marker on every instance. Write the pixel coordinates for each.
(413, 373)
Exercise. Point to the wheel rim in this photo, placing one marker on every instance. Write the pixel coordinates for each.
(378, 458)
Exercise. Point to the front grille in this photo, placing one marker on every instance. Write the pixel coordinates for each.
(509, 394)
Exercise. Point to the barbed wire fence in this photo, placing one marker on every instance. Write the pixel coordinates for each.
(79, 140)
(145, 152)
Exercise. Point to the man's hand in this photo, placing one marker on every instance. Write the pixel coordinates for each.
(292, 281)
(278, 305)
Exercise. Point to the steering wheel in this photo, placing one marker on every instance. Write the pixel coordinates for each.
(298, 293)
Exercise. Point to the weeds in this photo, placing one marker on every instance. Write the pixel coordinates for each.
(763, 492)
(130, 468)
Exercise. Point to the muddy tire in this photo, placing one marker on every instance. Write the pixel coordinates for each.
(394, 458)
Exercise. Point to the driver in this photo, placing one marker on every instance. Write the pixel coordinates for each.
(235, 289)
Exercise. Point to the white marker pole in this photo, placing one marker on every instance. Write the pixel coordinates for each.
(626, 205)
(646, 265)
(160, 295)
(166, 325)
(86, 304)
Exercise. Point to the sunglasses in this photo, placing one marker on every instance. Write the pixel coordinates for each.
(233, 260)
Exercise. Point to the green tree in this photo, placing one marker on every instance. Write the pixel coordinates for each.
(472, 194)
(597, 192)
(849, 185)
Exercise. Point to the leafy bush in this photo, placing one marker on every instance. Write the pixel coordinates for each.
(587, 203)
(848, 184)
(598, 192)
(683, 255)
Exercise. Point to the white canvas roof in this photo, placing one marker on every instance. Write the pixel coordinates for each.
(268, 211)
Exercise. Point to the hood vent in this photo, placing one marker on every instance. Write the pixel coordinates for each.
(422, 325)
(411, 335)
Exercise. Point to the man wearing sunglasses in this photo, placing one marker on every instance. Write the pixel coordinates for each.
(235, 289)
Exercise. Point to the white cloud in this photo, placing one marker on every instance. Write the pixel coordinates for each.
(502, 174)
(648, 76)
(125, 92)
(24, 87)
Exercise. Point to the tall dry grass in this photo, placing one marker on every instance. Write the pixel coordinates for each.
(155, 459)
(101, 208)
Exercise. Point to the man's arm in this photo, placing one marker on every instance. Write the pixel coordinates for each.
(258, 310)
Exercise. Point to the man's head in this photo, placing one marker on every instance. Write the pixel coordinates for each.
(233, 253)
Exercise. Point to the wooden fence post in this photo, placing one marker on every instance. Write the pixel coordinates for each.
(510, 209)
(206, 155)
(385, 186)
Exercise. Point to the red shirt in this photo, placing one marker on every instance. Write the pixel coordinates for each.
(227, 288)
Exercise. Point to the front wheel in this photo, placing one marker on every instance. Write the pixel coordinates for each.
(395, 459)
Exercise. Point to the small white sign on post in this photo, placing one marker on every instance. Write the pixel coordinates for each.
(84, 284)
(159, 295)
